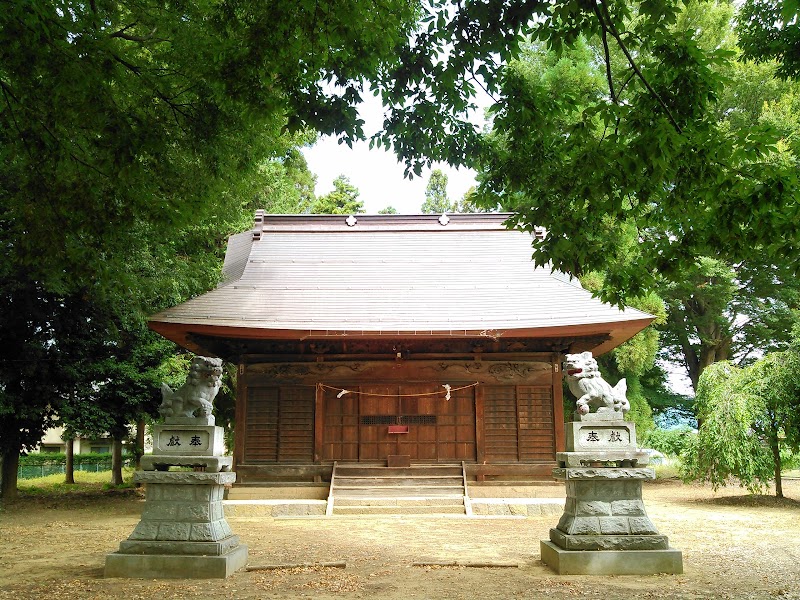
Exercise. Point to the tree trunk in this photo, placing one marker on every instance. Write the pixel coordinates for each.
(8, 475)
(692, 363)
(116, 462)
(140, 429)
(715, 344)
(776, 461)
(714, 347)
(69, 467)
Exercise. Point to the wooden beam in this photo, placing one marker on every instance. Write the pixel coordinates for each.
(337, 564)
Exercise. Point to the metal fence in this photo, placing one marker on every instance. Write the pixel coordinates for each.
(34, 471)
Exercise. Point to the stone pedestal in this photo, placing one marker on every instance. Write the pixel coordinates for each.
(183, 533)
(605, 529)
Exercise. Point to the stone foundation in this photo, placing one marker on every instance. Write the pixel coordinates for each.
(611, 562)
(167, 566)
(214, 464)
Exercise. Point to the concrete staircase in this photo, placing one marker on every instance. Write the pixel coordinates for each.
(377, 490)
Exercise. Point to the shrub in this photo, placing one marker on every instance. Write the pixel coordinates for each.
(671, 442)
(789, 460)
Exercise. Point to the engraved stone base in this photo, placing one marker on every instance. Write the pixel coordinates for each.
(185, 440)
(207, 420)
(189, 548)
(605, 529)
(603, 414)
(594, 436)
(608, 542)
(600, 473)
(183, 532)
(611, 562)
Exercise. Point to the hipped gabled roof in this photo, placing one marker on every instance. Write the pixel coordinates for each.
(313, 276)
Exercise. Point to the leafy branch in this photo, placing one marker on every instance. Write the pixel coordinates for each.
(606, 51)
(607, 24)
(141, 39)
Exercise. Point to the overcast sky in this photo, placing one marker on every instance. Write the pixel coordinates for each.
(376, 173)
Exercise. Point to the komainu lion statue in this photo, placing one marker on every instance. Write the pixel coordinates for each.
(197, 394)
(589, 387)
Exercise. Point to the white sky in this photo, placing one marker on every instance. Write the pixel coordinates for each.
(376, 173)
(678, 378)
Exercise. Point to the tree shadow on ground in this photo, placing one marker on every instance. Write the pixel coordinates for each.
(749, 501)
(72, 499)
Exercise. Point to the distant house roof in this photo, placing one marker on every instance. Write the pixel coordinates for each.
(316, 276)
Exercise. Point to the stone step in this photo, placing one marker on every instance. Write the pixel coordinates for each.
(412, 491)
(415, 471)
(450, 509)
(400, 500)
(428, 489)
(276, 493)
(274, 508)
(373, 482)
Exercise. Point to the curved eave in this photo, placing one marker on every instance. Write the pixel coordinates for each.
(183, 334)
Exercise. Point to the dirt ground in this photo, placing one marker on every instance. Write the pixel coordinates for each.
(734, 546)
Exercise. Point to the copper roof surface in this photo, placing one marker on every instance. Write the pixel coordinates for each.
(312, 276)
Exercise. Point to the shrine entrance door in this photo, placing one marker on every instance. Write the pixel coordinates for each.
(375, 421)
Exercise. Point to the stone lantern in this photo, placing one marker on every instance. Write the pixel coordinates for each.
(605, 529)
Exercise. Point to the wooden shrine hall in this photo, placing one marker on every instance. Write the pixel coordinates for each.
(376, 339)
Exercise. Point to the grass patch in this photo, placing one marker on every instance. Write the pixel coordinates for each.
(84, 482)
(669, 470)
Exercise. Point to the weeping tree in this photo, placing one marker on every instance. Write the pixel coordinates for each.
(748, 415)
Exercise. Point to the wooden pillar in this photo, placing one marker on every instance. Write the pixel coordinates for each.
(319, 423)
(558, 404)
(240, 427)
(480, 426)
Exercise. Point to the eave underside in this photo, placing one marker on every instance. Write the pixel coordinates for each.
(233, 343)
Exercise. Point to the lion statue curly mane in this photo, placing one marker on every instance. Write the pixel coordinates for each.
(195, 397)
(594, 393)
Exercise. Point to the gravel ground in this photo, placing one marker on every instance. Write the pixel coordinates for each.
(734, 546)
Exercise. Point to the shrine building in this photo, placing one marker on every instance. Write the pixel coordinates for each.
(376, 339)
